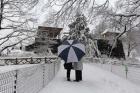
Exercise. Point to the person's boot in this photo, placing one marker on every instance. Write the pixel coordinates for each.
(68, 79)
(77, 76)
(76, 80)
(80, 76)
(68, 74)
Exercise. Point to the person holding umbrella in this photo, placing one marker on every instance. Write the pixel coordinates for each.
(78, 67)
(71, 51)
(68, 67)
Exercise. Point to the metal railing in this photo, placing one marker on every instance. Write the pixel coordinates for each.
(29, 79)
(26, 60)
(120, 68)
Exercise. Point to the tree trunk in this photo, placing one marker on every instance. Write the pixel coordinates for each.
(128, 53)
(1, 11)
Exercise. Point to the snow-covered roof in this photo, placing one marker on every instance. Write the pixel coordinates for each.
(20, 53)
(49, 30)
(110, 31)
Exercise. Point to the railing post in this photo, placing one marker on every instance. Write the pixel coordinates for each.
(16, 61)
(45, 60)
(111, 65)
(31, 61)
(15, 82)
(54, 68)
(43, 75)
(126, 70)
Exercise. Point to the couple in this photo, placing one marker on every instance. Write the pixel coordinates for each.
(78, 67)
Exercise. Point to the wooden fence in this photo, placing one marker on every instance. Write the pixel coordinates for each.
(29, 79)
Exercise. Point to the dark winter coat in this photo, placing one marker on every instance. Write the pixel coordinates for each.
(68, 65)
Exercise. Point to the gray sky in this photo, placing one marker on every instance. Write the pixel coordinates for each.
(41, 14)
(112, 2)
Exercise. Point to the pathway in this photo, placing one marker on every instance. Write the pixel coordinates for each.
(95, 80)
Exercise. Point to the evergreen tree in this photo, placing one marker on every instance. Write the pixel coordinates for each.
(79, 29)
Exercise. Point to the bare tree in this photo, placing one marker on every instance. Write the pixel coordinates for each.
(15, 20)
(125, 21)
(68, 9)
(133, 40)
(125, 18)
(12, 12)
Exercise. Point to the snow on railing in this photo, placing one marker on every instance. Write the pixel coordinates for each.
(120, 68)
(7, 82)
(28, 79)
(26, 60)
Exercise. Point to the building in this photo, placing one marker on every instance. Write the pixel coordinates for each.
(46, 38)
(107, 46)
(109, 34)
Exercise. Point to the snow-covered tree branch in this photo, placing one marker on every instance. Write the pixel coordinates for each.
(15, 22)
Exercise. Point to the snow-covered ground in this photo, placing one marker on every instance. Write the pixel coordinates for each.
(21, 53)
(138, 58)
(95, 80)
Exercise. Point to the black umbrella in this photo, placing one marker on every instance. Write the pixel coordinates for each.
(71, 51)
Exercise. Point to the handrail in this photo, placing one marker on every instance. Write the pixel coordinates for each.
(28, 79)
(27, 60)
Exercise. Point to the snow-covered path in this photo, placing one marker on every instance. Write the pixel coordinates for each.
(95, 80)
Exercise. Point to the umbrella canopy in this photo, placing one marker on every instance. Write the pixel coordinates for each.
(71, 51)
